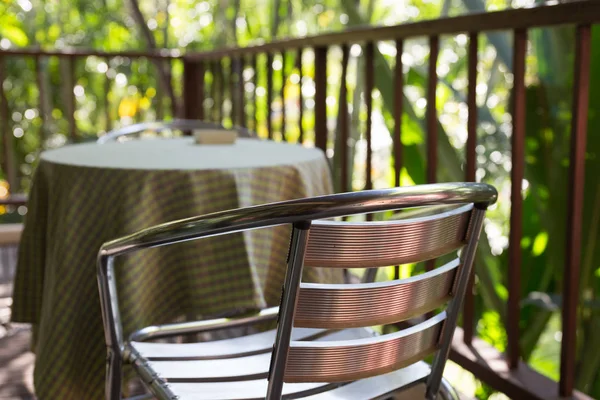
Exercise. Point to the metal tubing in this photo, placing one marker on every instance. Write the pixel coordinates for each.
(289, 297)
(437, 367)
(292, 211)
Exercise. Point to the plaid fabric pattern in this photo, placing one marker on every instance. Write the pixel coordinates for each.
(73, 210)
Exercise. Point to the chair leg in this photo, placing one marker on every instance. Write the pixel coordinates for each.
(447, 391)
(114, 376)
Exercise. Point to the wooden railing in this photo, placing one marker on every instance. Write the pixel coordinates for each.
(510, 376)
(68, 80)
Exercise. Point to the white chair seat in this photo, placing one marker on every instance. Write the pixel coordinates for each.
(370, 388)
(226, 360)
(222, 369)
(244, 345)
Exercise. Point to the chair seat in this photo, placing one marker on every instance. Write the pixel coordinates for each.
(226, 360)
(345, 362)
(237, 369)
(370, 388)
(239, 346)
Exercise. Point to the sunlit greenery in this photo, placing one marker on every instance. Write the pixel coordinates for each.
(116, 91)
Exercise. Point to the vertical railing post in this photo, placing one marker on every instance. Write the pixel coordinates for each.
(575, 210)
(320, 98)
(282, 94)
(220, 91)
(300, 97)
(398, 105)
(232, 91)
(216, 89)
(193, 89)
(213, 91)
(469, 304)
(431, 112)
(369, 86)
(431, 119)
(107, 115)
(343, 130)
(241, 117)
(70, 96)
(160, 108)
(269, 94)
(201, 73)
(254, 87)
(43, 110)
(516, 198)
(10, 170)
(175, 109)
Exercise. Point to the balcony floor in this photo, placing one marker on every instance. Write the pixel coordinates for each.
(16, 364)
(17, 361)
(16, 367)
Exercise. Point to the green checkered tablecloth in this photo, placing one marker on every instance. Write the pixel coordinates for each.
(86, 194)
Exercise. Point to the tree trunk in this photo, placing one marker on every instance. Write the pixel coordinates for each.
(164, 71)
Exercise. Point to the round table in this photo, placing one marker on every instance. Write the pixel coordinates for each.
(85, 194)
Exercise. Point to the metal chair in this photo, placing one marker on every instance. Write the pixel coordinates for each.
(322, 347)
(177, 124)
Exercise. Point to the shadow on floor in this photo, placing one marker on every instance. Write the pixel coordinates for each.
(16, 364)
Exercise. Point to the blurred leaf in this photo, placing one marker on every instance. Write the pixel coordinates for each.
(15, 34)
(53, 32)
(539, 244)
(128, 107)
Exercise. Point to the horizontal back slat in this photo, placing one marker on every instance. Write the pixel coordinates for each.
(377, 244)
(334, 306)
(343, 361)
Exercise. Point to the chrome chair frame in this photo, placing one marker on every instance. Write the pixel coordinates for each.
(177, 124)
(300, 214)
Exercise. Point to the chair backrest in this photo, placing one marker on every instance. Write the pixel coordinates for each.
(332, 244)
(319, 243)
(177, 124)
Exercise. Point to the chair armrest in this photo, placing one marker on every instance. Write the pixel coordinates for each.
(422, 212)
(160, 331)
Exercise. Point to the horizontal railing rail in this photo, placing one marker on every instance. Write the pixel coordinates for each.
(14, 200)
(68, 76)
(163, 54)
(231, 81)
(579, 13)
(572, 12)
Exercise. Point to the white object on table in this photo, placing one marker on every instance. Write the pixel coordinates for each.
(215, 136)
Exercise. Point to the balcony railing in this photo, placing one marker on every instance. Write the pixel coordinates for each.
(504, 372)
